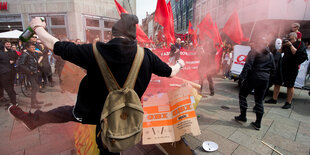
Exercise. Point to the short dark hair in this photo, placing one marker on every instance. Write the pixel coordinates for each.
(28, 44)
(6, 41)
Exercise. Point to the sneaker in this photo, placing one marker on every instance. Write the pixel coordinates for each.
(240, 119)
(212, 94)
(24, 117)
(255, 126)
(287, 106)
(271, 101)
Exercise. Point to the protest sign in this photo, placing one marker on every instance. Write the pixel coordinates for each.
(168, 116)
(240, 54)
(191, 59)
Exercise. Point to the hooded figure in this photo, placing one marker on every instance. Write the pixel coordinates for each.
(119, 54)
(126, 26)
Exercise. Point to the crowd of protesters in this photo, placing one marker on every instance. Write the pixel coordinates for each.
(32, 60)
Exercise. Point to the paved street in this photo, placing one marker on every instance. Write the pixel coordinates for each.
(288, 131)
(48, 139)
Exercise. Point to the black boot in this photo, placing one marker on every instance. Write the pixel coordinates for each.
(242, 117)
(256, 125)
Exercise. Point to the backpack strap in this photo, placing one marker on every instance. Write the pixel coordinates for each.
(134, 70)
(108, 77)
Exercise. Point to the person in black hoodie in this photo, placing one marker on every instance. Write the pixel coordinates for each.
(255, 75)
(6, 70)
(119, 54)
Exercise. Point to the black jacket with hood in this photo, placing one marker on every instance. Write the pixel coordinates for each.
(258, 65)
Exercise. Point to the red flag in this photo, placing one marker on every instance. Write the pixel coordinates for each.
(141, 36)
(207, 27)
(171, 22)
(193, 33)
(163, 18)
(233, 29)
(120, 9)
(190, 28)
(219, 49)
(161, 13)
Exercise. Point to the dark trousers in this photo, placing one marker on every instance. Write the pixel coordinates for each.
(34, 87)
(62, 114)
(210, 82)
(5, 83)
(259, 87)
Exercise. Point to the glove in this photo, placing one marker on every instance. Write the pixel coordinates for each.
(181, 62)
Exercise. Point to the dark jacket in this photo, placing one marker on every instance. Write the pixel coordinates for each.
(289, 59)
(119, 55)
(258, 65)
(5, 57)
(277, 78)
(5, 65)
(28, 63)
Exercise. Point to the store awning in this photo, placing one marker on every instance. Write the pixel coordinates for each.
(11, 34)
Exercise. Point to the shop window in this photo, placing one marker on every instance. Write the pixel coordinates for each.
(92, 22)
(59, 33)
(57, 20)
(91, 35)
(108, 24)
(98, 27)
(55, 24)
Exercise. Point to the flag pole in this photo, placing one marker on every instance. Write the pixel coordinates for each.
(252, 30)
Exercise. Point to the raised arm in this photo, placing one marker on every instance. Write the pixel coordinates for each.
(39, 27)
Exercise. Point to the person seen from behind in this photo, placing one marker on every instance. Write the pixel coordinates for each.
(118, 53)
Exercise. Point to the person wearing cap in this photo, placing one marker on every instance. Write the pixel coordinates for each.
(119, 54)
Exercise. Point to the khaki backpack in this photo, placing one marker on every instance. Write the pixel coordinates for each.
(122, 114)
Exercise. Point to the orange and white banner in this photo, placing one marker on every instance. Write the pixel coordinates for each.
(168, 116)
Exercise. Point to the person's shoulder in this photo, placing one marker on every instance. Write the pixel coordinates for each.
(147, 51)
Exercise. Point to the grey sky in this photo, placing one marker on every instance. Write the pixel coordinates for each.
(144, 6)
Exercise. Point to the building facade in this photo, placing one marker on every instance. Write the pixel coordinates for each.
(256, 16)
(72, 19)
(182, 13)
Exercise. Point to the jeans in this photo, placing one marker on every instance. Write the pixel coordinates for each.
(210, 82)
(63, 114)
(259, 87)
(35, 87)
